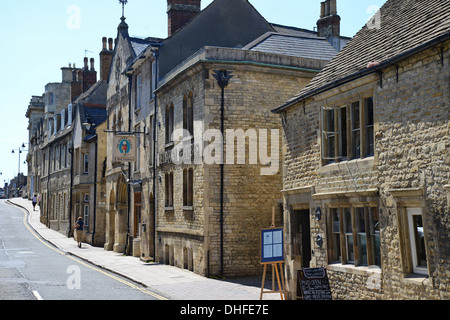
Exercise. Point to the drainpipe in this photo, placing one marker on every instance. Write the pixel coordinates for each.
(155, 121)
(223, 77)
(71, 187)
(130, 82)
(95, 187)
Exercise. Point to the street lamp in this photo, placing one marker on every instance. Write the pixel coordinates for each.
(21, 148)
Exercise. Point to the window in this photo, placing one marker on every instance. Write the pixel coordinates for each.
(354, 235)
(417, 240)
(188, 187)
(356, 131)
(348, 131)
(138, 91)
(86, 215)
(137, 163)
(369, 132)
(150, 139)
(169, 189)
(86, 163)
(169, 123)
(86, 197)
(137, 214)
(188, 113)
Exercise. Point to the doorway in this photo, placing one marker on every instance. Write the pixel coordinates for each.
(301, 236)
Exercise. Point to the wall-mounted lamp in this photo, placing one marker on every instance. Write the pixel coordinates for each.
(319, 241)
(318, 214)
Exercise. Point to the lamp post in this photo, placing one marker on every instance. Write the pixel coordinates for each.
(223, 77)
(21, 148)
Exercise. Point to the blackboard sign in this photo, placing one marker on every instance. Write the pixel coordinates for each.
(312, 284)
(272, 245)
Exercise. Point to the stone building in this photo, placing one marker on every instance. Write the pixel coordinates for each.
(367, 164)
(52, 118)
(174, 204)
(89, 156)
(35, 113)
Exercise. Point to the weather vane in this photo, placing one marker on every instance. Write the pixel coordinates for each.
(123, 2)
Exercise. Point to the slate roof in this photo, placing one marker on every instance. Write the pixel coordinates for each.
(291, 45)
(400, 26)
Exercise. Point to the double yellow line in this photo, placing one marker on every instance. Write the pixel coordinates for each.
(132, 285)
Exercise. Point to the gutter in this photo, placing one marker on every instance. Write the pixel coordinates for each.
(359, 74)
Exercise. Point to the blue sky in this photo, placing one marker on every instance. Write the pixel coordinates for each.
(40, 37)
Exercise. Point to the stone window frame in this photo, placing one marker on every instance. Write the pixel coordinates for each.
(370, 209)
(169, 125)
(338, 122)
(188, 189)
(188, 113)
(406, 199)
(169, 191)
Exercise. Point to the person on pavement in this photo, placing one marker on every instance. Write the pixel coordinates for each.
(79, 230)
(34, 201)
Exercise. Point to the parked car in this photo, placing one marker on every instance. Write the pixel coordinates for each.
(2, 195)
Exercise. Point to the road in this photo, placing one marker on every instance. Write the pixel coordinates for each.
(33, 269)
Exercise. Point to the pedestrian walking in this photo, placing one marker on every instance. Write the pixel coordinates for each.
(79, 230)
(34, 201)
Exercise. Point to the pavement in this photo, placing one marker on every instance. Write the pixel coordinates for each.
(169, 281)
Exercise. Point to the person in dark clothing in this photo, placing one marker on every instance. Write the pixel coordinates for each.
(79, 230)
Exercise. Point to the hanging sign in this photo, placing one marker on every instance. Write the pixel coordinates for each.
(272, 248)
(124, 148)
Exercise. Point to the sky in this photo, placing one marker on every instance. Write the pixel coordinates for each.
(38, 38)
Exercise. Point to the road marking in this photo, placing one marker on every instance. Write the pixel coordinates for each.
(37, 295)
(132, 285)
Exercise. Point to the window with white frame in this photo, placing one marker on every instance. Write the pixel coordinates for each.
(86, 215)
(138, 91)
(86, 163)
(417, 240)
(348, 131)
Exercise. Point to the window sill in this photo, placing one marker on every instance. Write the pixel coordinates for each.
(168, 209)
(417, 279)
(169, 145)
(355, 164)
(360, 270)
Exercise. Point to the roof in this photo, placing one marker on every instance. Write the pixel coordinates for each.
(399, 27)
(291, 45)
(223, 23)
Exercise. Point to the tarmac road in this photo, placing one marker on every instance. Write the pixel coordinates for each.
(33, 269)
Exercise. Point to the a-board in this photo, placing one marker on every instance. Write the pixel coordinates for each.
(313, 284)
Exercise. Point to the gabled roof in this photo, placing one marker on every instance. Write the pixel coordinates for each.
(224, 23)
(400, 27)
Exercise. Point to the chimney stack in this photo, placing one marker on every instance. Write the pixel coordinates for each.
(180, 12)
(88, 76)
(106, 56)
(329, 24)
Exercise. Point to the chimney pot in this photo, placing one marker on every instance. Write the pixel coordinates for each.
(110, 41)
(92, 64)
(85, 63)
(104, 43)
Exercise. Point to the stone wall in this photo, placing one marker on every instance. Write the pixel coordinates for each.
(410, 168)
(248, 196)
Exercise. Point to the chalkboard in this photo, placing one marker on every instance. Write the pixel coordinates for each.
(312, 284)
